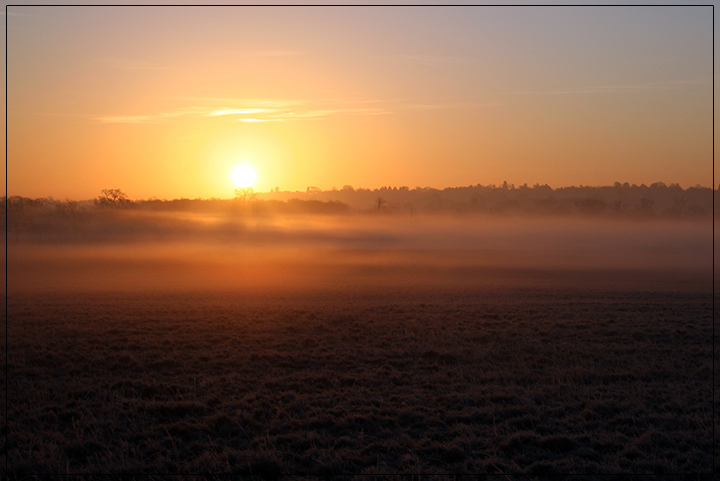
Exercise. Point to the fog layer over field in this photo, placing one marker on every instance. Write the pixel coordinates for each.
(237, 343)
(134, 250)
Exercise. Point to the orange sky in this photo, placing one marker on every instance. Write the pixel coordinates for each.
(165, 101)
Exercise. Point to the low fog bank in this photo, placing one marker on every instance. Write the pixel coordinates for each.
(113, 214)
(216, 220)
(135, 250)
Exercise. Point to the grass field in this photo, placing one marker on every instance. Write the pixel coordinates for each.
(391, 362)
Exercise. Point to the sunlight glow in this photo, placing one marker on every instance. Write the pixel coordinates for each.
(244, 175)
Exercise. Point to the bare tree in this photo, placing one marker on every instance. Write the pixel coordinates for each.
(678, 204)
(15, 208)
(379, 203)
(591, 206)
(245, 194)
(112, 199)
(619, 207)
(646, 207)
(70, 210)
(23, 213)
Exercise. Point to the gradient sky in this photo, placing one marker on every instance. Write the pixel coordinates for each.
(165, 101)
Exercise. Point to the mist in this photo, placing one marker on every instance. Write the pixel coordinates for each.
(227, 251)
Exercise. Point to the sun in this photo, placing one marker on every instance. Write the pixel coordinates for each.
(244, 175)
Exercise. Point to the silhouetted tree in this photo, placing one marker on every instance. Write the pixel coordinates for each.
(697, 211)
(678, 204)
(619, 206)
(590, 206)
(245, 194)
(112, 199)
(646, 207)
(70, 210)
(15, 208)
(379, 203)
(23, 213)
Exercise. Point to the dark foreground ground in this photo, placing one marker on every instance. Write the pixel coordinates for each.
(360, 381)
(358, 346)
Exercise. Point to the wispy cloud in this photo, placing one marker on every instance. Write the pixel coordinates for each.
(251, 103)
(283, 110)
(131, 64)
(453, 105)
(629, 88)
(258, 111)
(309, 114)
(217, 113)
(274, 53)
(429, 60)
(256, 120)
(140, 119)
(252, 111)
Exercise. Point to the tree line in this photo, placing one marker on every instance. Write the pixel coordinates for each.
(658, 200)
(619, 200)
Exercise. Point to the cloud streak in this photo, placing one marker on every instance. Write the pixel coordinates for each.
(454, 105)
(274, 53)
(251, 111)
(218, 113)
(140, 119)
(128, 64)
(426, 60)
(264, 110)
(599, 89)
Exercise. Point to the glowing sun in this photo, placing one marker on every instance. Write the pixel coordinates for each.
(244, 176)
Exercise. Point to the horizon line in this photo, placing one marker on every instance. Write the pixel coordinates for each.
(317, 190)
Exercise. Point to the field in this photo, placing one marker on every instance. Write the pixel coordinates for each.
(125, 360)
